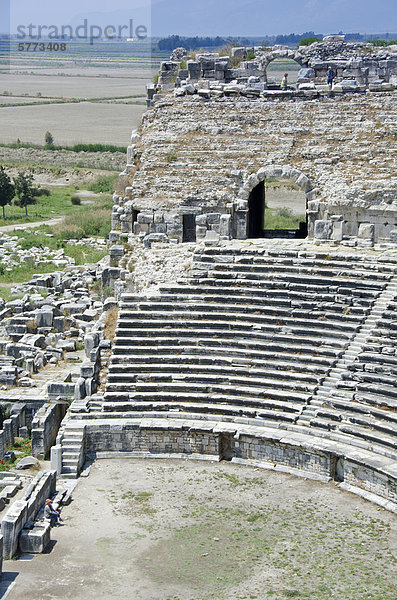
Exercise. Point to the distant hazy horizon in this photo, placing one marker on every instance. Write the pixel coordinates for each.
(237, 18)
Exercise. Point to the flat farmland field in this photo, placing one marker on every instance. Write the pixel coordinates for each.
(88, 94)
(90, 85)
(17, 99)
(70, 124)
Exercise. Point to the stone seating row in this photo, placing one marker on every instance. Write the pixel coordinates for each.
(186, 314)
(365, 289)
(193, 367)
(329, 291)
(237, 305)
(268, 413)
(291, 270)
(274, 294)
(241, 253)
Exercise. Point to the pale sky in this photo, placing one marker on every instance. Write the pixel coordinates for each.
(216, 17)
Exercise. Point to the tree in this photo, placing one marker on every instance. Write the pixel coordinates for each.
(7, 190)
(309, 41)
(49, 139)
(25, 191)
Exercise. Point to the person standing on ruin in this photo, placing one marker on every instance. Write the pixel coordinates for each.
(284, 82)
(330, 76)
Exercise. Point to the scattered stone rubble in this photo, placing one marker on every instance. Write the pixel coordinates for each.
(55, 315)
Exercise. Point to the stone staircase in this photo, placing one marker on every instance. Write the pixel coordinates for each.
(72, 449)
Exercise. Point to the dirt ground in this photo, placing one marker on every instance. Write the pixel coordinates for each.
(185, 530)
(284, 197)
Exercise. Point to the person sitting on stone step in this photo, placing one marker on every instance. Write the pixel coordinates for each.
(51, 514)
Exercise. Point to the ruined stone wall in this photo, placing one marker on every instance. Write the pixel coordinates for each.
(203, 157)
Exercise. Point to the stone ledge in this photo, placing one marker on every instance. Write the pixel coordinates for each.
(374, 498)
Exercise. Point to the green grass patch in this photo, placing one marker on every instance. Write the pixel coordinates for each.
(74, 148)
(104, 184)
(282, 218)
(25, 271)
(84, 254)
(58, 203)
(5, 293)
(22, 447)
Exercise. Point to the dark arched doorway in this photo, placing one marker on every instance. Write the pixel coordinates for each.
(277, 208)
(256, 212)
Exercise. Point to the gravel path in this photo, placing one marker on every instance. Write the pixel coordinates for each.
(51, 223)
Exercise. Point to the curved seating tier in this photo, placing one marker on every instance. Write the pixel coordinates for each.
(253, 333)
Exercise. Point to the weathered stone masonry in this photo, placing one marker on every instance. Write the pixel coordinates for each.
(196, 160)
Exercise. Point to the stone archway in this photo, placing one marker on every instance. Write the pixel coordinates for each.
(286, 53)
(247, 206)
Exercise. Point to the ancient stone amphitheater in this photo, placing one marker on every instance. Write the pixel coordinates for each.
(267, 352)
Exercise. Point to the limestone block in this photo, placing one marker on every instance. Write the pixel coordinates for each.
(201, 220)
(190, 89)
(306, 73)
(11, 526)
(304, 183)
(36, 341)
(213, 218)
(79, 389)
(225, 225)
(60, 389)
(88, 369)
(393, 236)
(157, 237)
(239, 52)
(337, 231)
(200, 232)
(204, 93)
(194, 69)
(91, 341)
(322, 229)
(35, 540)
(44, 316)
(145, 218)
(59, 323)
(140, 229)
(366, 231)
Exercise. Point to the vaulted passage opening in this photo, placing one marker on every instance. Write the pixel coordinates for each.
(277, 208)
(189, 228)
(276, 70)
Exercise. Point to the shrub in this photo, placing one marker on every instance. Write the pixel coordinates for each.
(43, 192)
(95, 222)
(48, 138)
(171, 156)
(75, 200)
(97, 148)
(104, 183)
(286, 213)
(309, 41)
